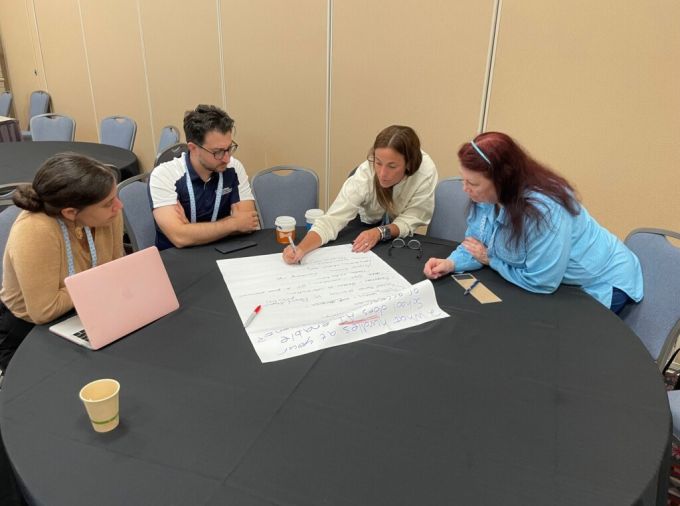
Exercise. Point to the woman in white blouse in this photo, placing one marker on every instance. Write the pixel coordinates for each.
(393, 189)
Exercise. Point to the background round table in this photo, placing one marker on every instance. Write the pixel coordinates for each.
(541, 399)
(19, 161)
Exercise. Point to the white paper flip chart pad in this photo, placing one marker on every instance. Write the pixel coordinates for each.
(334, 297)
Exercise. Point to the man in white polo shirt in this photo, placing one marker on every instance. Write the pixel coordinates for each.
(203, 195)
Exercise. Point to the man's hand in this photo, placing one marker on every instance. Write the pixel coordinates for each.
(244, 221)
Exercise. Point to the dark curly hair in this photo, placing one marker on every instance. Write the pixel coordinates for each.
(204, 119)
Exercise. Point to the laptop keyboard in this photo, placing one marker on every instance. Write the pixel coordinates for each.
(82, 335)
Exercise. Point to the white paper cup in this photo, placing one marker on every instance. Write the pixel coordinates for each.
(100, 398)
(311, 215)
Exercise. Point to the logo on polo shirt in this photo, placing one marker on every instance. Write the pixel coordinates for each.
(226, 191)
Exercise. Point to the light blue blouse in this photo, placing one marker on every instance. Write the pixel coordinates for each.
(574, 250)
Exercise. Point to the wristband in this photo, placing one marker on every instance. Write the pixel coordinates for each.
(385, 233)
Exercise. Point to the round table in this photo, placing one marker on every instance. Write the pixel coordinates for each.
(19, 161)
(540, 399)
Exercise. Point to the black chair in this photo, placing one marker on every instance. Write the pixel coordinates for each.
(174, 151)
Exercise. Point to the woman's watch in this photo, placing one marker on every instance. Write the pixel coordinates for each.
(385, 233)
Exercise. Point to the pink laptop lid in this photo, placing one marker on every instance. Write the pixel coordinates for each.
(118, 297)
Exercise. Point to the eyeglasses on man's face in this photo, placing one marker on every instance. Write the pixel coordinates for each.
(219, 153)
(413, 244)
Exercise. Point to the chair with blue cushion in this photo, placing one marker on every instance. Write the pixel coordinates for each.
(451, 207)
(53, 127)
(7, 218)
(39, 104)
(656, 318)
(137, 214)
(169, 136)
(6, 193)
(118, 131)
(674, 401)
(5, 103)
(285, 190)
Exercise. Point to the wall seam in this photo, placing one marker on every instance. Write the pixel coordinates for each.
(146, 80)
(490, 62)
(329, 84)
(221, 53)
(37, 34)
(89, 70)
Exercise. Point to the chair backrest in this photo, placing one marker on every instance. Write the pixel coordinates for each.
(6, 192)
(53, 127)
(7, 217)
(5, 103)
(118, 131)
(137, 215)
(451, 207)
(285, 190)
(174, 151)
(674, 402)
(39, 103)
(169, 136)
(656, 318)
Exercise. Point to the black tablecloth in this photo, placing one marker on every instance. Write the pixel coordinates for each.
(19, 161)
(538, 400)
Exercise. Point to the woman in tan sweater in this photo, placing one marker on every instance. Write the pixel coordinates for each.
(71, 221)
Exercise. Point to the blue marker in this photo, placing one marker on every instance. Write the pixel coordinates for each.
(469, 289)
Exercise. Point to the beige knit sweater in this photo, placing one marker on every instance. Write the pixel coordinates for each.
(34, 264)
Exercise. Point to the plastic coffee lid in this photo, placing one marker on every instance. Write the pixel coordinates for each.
(286, 222)
(313, 213)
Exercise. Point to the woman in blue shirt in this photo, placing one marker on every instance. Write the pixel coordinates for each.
(526, 224)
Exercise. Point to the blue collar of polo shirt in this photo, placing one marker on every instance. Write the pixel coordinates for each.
(193, 175)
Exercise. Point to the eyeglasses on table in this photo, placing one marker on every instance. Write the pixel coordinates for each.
(413, 244)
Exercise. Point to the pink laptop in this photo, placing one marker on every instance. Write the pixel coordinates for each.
(116, 298)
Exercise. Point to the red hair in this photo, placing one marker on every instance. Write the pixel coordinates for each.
(514, 175)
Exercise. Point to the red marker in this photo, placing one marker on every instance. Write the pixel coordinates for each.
(252, 316)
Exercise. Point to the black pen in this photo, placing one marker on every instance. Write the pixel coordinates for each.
(469, 289)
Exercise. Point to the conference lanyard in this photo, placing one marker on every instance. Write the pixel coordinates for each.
(69, 251)
(192, 198)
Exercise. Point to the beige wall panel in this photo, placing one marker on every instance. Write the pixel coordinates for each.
(275, 73)
(420, 64)
(117, 71)
(183, 58)
(591, 88)
(65, 63)
(22, 53)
